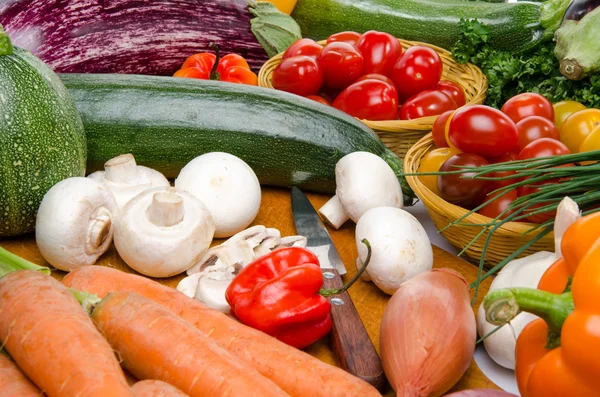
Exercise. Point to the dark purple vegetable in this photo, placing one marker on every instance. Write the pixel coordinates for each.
(579, 8)
(129, 36)
(480, 393)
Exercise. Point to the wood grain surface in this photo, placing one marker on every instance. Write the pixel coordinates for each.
(369, 300)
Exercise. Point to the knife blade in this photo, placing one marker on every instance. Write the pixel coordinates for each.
(350, 339)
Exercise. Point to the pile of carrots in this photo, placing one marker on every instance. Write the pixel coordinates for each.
(175, 345)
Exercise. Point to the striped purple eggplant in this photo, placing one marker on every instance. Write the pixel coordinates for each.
(129, 36)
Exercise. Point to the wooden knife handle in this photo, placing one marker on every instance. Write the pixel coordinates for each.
(350, 339)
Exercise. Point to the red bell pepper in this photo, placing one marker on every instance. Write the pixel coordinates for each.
(281, 294)
(232, 68)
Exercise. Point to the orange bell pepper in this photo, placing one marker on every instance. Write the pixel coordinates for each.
(558, 355)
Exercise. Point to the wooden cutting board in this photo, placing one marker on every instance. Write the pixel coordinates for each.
(276, 212)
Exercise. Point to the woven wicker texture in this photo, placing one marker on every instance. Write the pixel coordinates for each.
(506, 240)
(400, 135)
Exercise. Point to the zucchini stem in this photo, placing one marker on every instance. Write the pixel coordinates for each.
(6, 47)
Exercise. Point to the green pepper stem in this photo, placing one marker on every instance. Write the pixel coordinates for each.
(330, 292)
(88, 301)
(6, 47)
(214, 75)
(501, 306)
(10, 262)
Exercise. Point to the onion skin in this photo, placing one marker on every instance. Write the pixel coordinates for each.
(428, 333)
(480, 393)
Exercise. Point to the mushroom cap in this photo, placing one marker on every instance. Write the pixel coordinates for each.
(364, 181)
(227, 186)
(146, 178)
(400, 246)
(66, 214)
(159, 251)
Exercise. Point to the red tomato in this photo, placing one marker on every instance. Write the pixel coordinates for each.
(380, 51)
(300, 75)
(454, 90)
(526, 105)
(376, 76)
(193, 72)
(345, 37)
(497, 184)
(543, 147)
(369, 99)
(499, 205)
(427, 103)
(341, 63)
(319, 99)
(203, 60)
(439, 129)
(462, 189)
(526, 190)
(418, 69)
(482, 130)
(533, 128)
(231, 60)
(306, 47)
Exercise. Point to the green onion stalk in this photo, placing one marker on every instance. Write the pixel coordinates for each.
(578, 177)
(10, 262)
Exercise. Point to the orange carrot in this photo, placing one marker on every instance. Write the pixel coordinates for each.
(53, 341)
(156, 344)
(295, 371)
(13, 383)
(156, 388)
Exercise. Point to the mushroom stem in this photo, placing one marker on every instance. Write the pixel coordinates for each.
(98, 228)
(333, 212)
(166, 209)
(122, 168)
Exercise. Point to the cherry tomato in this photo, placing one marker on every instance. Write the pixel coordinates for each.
(526, 190)
(418, 69)
(306, 47)
(526, 105)
(482, 130)
(377, 76)
(193, 72)
(591, 142)
(462, 189)
(426, 103)
(349, 37)
(497, 206)
(239, 75)
(564, 109)
(439, 129)
(454, 90)
(300, 75)
(578, 126)
(535, 127)
(432, 162)
(369, 100)
(231, 60)
(319, 99)
(203, 60)
(341, 63)
(380, 51)
(497, 184)
(543, 147)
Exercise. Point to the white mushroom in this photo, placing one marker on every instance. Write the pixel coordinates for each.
(293, 241)
(74, 224)
(163, 231)
(400, 246)
(363, 181)
(211, 290)
(126, 179)
(227, 186)
(271, 241)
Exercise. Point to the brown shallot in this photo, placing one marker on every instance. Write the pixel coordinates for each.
(480, 393)
(428, 334)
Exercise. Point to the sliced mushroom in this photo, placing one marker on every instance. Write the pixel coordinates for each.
(272, 240)
(189, 284)
(293, 241)
(211, 290)
(253, 235)
(223, 256)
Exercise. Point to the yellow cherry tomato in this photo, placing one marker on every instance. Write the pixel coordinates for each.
(564, 109)
(432, 163)
(285, 6)
(590, 143)
(577, 127)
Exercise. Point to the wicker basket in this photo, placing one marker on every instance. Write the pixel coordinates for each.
(506, 240)
(400, 135)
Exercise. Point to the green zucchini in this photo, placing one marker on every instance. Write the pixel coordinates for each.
(514, 26)
(41, 136)
(165, 122)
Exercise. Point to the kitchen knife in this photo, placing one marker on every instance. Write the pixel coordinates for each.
(350, 339)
